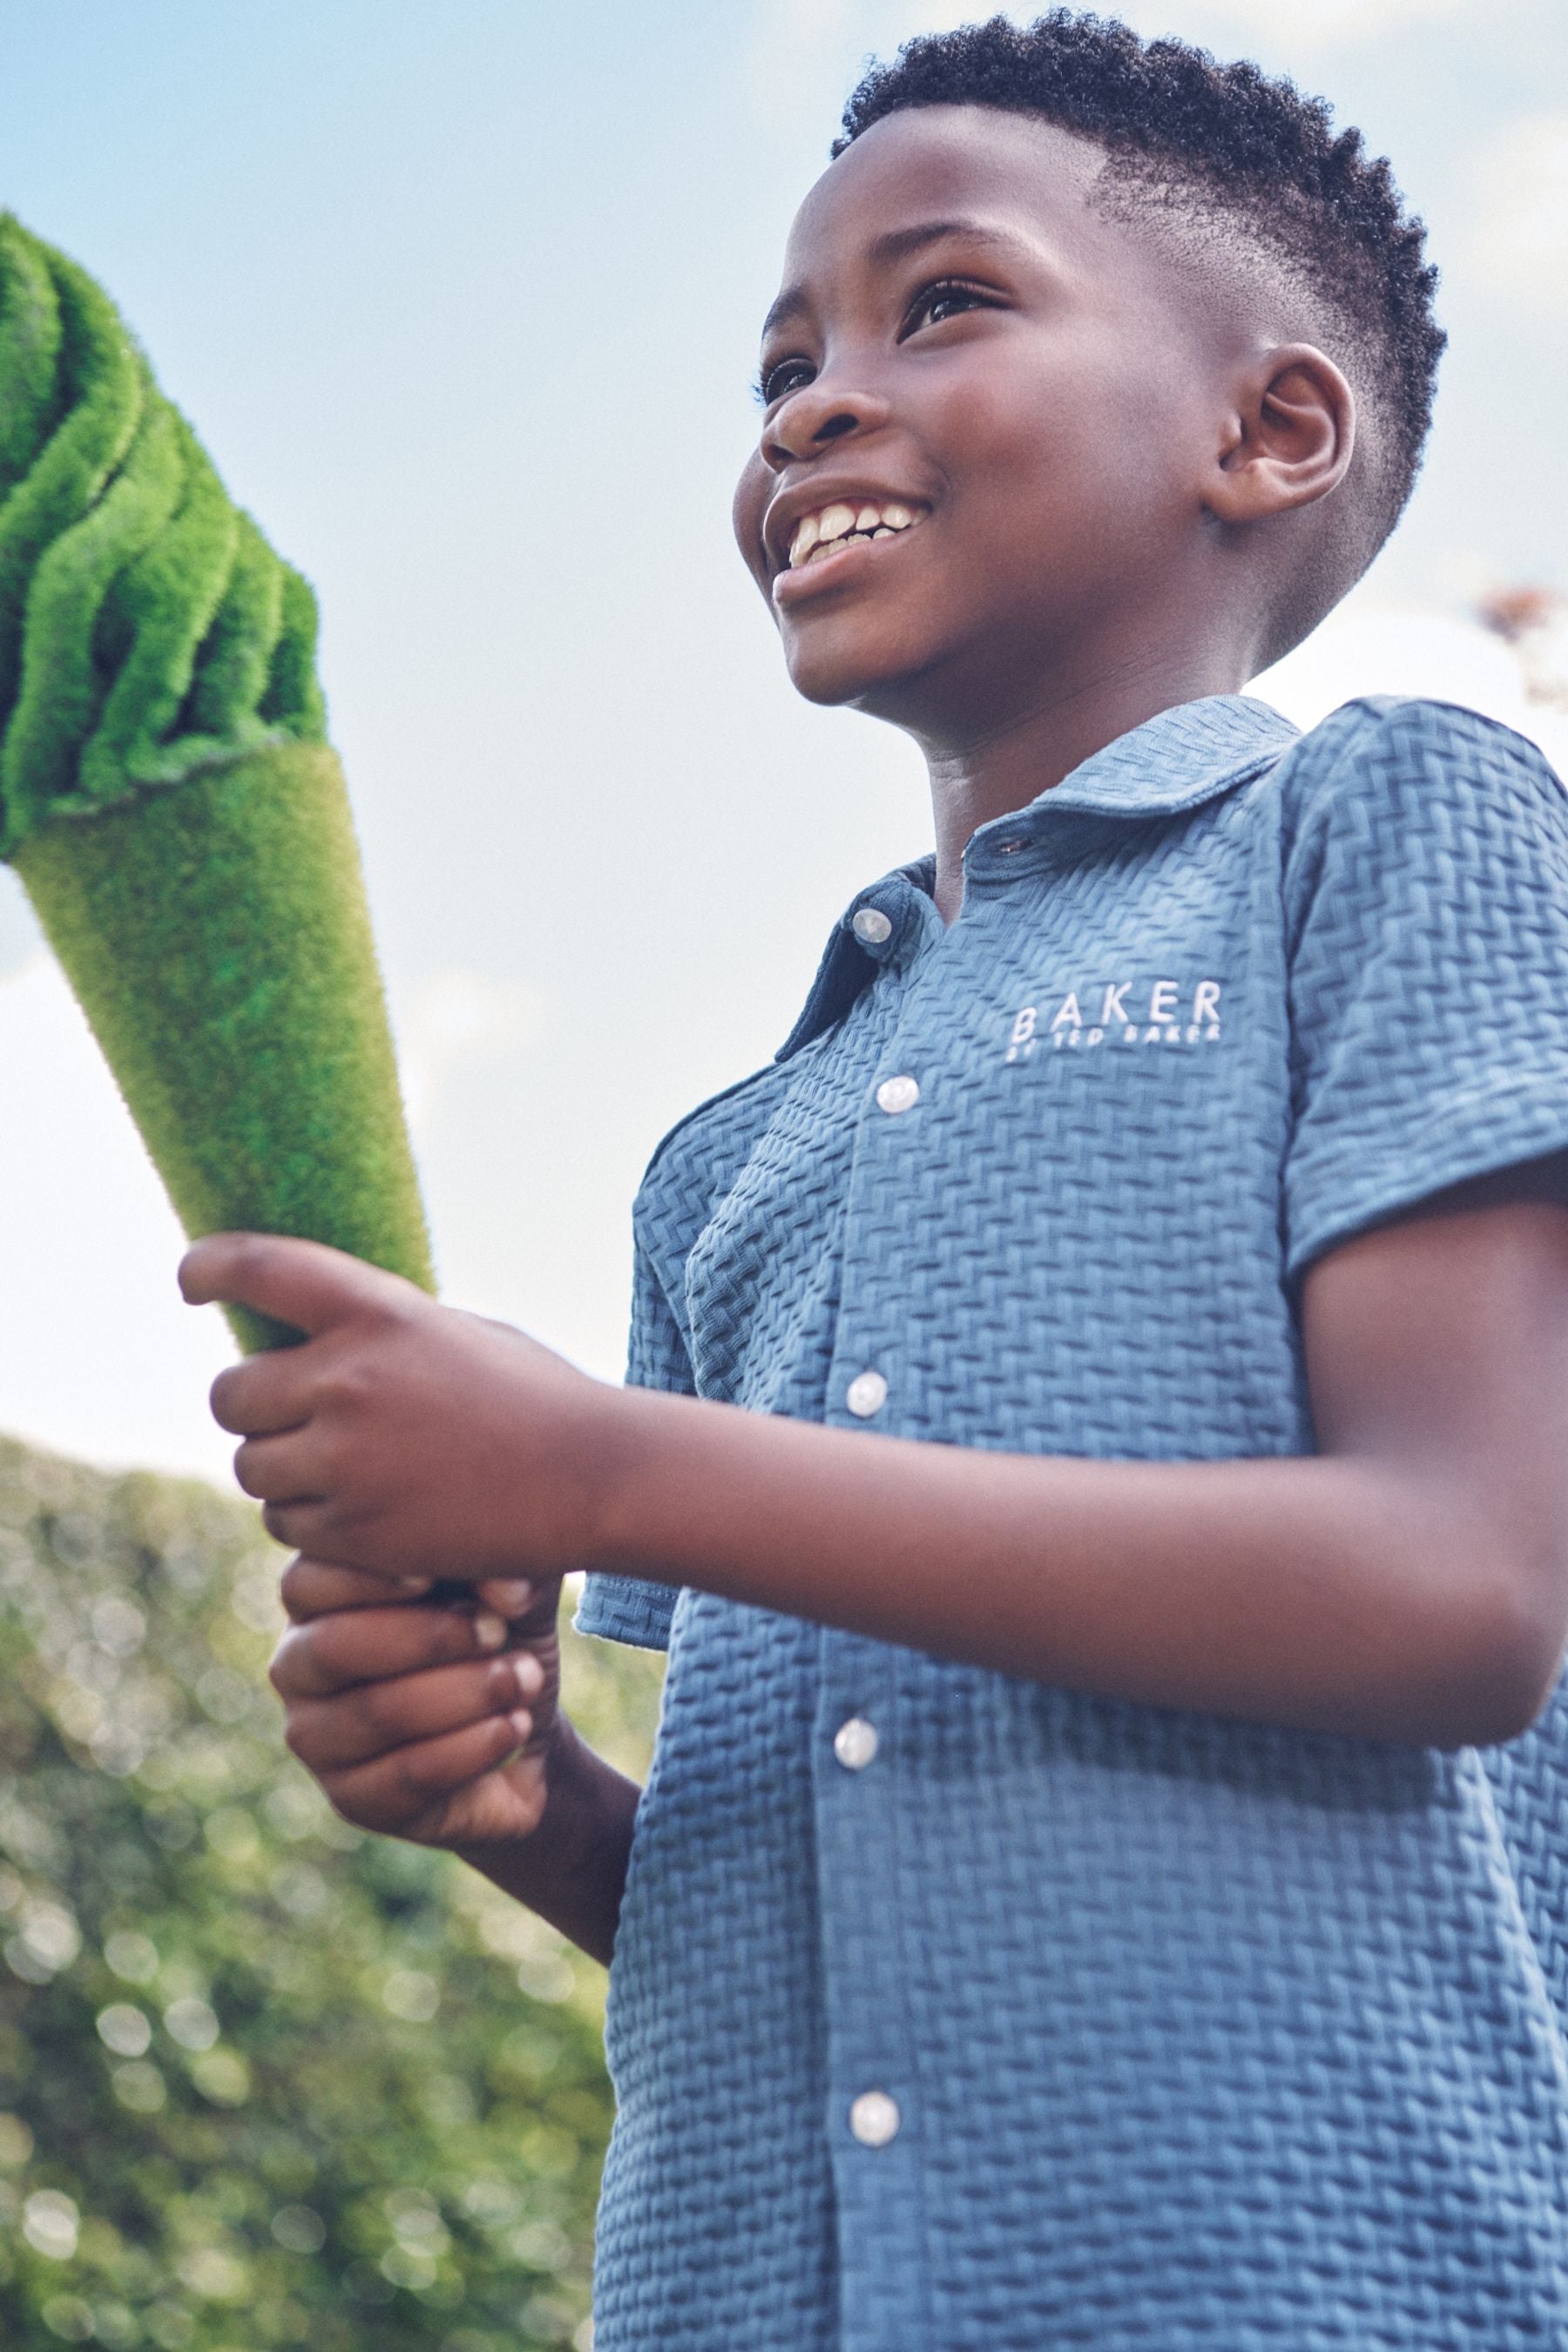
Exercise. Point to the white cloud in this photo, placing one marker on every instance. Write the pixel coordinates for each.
(1519, 244)
(1362, 649)
(99, 1356)
(20, 938)
(460, 1017)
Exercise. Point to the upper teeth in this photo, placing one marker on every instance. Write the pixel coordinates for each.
(821, 532)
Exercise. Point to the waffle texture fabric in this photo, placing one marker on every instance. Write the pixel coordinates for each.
(1184, 2033)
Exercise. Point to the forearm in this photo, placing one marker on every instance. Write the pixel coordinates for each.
(1407, 1582)
(1330, 1594)
(571, 1869)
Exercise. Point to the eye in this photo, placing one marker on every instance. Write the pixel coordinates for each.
(777, 381)
(945, 298)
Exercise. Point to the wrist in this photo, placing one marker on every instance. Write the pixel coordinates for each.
(635, 1434)
(572, 1866)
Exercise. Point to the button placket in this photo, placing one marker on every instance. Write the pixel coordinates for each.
(871, 2111)
(863, 1392)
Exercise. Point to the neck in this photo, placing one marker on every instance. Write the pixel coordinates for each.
(987, 774)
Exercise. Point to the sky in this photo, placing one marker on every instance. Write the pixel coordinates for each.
(464, 303)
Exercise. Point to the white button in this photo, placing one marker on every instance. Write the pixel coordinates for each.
(872, 927)
(874, 2118)
(855, 1743)
(898, 1094)
(866, 1394)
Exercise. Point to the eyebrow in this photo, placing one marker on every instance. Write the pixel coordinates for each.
(897, 245)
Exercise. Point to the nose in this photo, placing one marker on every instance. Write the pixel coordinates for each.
(820, 413)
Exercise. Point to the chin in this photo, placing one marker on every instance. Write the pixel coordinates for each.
(879, 681)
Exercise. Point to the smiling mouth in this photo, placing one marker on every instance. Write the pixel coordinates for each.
(833, 528)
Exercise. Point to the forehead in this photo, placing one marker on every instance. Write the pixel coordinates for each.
(1007, 171)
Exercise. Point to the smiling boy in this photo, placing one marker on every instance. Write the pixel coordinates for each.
(1096, 1445)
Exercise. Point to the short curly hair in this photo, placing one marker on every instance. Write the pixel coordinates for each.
(1226, 148)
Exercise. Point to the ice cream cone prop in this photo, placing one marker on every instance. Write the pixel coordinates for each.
(169, 799)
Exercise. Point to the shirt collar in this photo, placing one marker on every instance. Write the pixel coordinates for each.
(1173, 763)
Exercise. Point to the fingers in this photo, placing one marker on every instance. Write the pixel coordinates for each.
(509, 1596)
(376, 1717)
(283, 1468)
(313, 1588)
(297, 1282)
(264, 1394)
(401, 1792)
(530, 1606)
(302, 1526)
(333, 1652)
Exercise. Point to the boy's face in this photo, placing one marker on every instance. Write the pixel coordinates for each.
(1020, 395)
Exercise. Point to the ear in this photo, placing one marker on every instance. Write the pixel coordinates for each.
(1290, 437)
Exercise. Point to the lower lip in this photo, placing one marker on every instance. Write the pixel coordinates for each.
(801, 581)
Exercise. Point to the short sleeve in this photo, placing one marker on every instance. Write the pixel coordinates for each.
(627, 1608)
(1426, 881)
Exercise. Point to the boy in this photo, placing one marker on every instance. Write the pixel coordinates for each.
(1070, 1903)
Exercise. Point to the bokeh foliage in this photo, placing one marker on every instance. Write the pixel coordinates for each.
(263, 2081)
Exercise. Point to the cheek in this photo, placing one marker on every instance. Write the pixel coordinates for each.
(1050, 462)
(751, 493)
(1044, 395)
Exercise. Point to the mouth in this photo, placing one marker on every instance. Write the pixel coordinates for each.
(822, 539)
(833, 528)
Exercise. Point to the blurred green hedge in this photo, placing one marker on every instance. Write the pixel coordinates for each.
(263, 2081)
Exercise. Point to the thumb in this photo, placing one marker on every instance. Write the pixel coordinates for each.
(302, 1283)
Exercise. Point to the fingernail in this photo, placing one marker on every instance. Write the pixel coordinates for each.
(415, 1583)
(503, 1685)
(510, 1594)
(530, 1673)
(489, 1631)
(523, 1724)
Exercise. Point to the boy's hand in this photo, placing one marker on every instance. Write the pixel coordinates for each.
(415, 1719)
(402, 1436)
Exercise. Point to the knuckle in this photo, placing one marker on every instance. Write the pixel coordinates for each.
(360, 1811)
(333, 1456)
(348, 1379)
(382, 1708)
(462, 1640)
(283, 1669)
(326, 1647)
(421, 1777)
(295, 1587)
(251, 1254)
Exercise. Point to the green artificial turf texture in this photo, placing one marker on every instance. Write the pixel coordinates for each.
(219, 939)
(168, 798)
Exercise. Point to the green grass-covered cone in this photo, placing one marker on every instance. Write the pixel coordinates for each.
(169, 801)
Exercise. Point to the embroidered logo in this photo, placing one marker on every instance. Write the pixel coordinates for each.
(1118, 1013)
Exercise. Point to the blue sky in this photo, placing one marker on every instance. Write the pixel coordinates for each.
(463, 300)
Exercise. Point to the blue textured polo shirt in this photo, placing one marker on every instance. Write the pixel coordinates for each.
(952, 2013)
